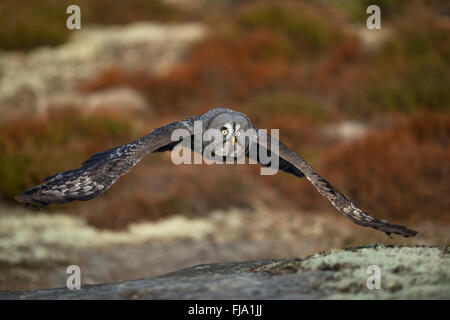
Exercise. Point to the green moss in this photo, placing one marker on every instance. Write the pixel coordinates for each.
(310, 33)
(409, 73)
(356, 10)
(406, 272)
(43, 22)
(288, 104)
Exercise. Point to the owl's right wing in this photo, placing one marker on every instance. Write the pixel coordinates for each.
(101, 170)
(342, 203)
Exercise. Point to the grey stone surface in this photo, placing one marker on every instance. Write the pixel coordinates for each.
(213, 281)
(407, 273)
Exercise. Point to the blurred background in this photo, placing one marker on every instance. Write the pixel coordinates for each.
(367, 108)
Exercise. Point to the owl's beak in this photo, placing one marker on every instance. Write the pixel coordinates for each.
(233, 140)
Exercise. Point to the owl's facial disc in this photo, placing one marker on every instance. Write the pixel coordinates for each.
(232, 129)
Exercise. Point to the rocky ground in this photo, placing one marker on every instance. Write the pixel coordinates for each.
(406, 273)
(36, 248)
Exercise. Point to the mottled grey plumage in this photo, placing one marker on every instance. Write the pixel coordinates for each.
(101, 170)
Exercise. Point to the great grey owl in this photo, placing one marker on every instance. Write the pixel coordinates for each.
(101, 170)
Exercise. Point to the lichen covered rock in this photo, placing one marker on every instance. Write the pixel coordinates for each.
(405, 273)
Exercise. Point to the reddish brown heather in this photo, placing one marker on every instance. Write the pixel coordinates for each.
(401, 173)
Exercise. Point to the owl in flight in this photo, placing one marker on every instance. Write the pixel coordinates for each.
(101, 170)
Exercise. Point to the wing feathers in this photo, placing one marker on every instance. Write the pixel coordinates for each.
(284, 165)
(101, 170)
(337, 199)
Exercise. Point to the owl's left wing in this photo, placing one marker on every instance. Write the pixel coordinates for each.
(101, 170)
(337, 199)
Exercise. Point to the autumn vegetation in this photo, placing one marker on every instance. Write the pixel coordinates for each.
(299, 67)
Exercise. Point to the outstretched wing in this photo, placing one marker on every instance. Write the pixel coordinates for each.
(283, 165)
(101, 170)
(289, 159)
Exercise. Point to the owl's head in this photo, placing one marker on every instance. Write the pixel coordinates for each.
(229, 129)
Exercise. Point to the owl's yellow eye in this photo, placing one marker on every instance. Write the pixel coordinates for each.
(224, 132)
(238, 133)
